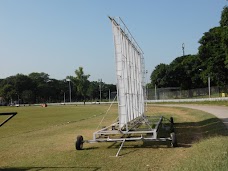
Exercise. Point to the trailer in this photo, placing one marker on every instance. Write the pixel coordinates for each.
(132, 123)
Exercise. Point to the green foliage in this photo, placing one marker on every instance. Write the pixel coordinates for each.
(39, 77)
(82, 82)
(213, 56)
(159, 75)
(225, 43)
(182, 72)
(216, 156)
(224, 17)
(27, 96)
(7, 91)
(12, 87)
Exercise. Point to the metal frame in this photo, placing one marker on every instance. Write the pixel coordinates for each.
(144, 128)
(12, 114)
(132, 124)
(140, 128)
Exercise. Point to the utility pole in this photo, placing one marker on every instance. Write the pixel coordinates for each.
(69, 88)
(146, 90)
(183, 46)
(64, 97)
(100, 80)
(109, 95)
(155, 91)
(209, 86)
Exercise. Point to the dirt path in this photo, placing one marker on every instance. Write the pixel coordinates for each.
(220, 112)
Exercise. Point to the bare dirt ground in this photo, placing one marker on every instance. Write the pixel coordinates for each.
(220, 112)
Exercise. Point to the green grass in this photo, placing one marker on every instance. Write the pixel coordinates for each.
(43, 139)
(210, 154)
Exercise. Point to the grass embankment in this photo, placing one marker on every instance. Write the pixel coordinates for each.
(43, 139)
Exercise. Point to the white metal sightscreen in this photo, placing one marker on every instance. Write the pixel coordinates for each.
(130, 71)
(132, 124)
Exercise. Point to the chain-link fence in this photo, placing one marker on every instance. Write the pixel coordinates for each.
(177, 93)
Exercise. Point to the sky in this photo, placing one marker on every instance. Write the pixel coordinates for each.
(59, 36)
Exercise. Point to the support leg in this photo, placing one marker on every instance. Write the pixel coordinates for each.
(117, 154)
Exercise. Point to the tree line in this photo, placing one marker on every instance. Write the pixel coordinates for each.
(193, 71)
(40, 88)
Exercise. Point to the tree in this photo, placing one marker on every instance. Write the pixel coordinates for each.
(41, 91)
(182, 72)
(213, 56)
(224, 25)
(27, 96)
(93, 90)
(8, 92)
(39, 77)
(159, 75)
(13, 86)
(82, 82)
(224, 17)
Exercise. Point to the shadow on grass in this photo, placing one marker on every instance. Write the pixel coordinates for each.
(53, 168)
(90, 148)
(190, 132)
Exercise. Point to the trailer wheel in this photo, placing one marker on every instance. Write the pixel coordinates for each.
(79, 142)
(173, 139)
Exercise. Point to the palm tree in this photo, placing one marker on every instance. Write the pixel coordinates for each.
(82, 82)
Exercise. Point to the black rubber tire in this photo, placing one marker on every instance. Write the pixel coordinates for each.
(173, 139)
(79, 143)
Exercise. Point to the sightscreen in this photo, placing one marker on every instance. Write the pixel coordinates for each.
(130, 73)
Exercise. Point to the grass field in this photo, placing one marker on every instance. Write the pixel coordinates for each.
(43, 139)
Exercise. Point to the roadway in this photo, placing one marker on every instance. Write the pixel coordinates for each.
(220, 112)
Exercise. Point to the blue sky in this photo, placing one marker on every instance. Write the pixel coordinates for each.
(58, 36)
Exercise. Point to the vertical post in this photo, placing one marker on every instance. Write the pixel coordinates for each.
(64, 97)
(209, 86)
(183, 48)
(155, 91)
(109, 95)
(69, 89)
(146, 90)
(100, 80)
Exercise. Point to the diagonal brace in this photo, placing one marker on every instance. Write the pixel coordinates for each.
(12, 114)
(120, 148)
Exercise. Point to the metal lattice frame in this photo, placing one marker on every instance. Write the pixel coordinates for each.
(132, 124)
